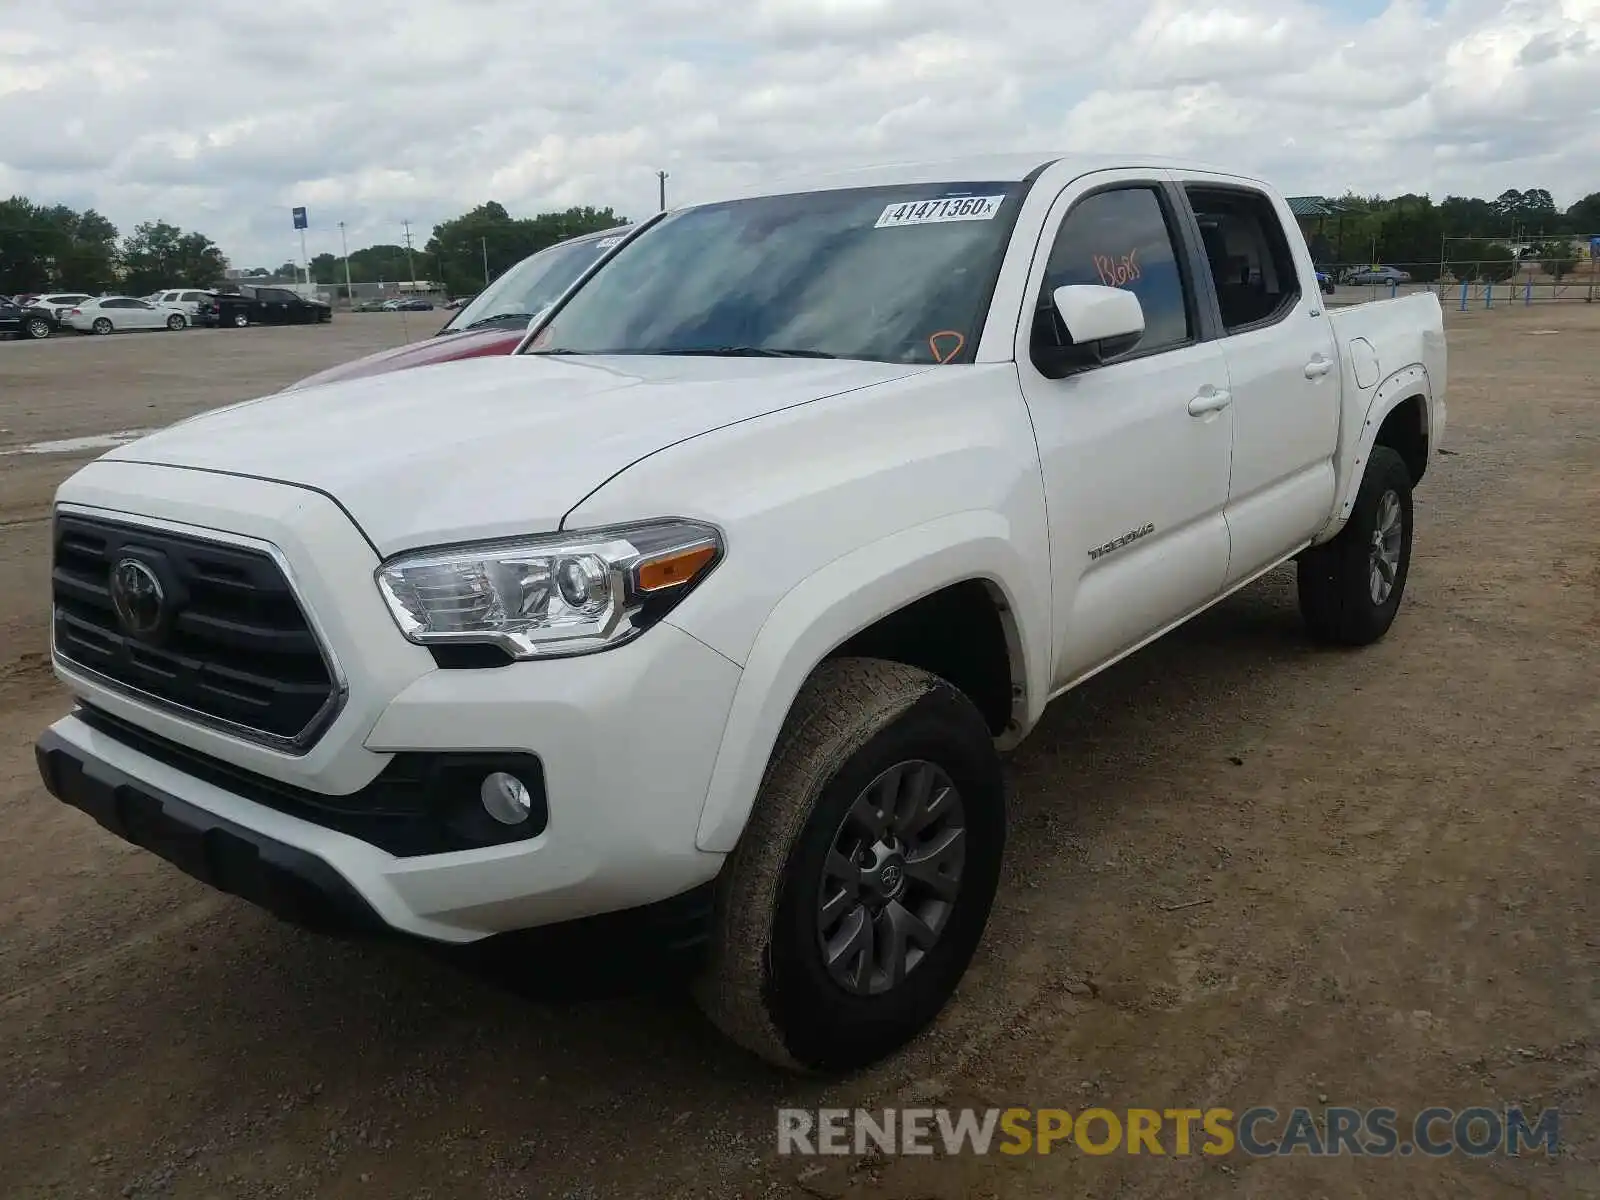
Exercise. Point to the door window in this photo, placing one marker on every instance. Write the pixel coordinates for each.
(1120, 238)
(1249, 256)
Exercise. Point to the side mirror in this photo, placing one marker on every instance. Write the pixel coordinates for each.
(1101, 323)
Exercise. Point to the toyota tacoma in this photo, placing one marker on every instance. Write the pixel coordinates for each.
(725, 593)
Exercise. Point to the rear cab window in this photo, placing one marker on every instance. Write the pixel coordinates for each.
(1248, 254)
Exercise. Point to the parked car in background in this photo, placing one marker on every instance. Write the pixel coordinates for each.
(375, 304)
(60, 302)
(261, 306)
(120, 314)
(185, 300)
(26, 320)
(1369, 275)
(414, 304)
(496, 319)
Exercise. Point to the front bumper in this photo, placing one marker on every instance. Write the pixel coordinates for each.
(626, 740)
(233, 858)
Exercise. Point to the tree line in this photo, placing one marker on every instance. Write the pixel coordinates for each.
(1468, 236)
(54, 247)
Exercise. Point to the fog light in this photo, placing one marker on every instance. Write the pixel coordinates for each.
(505, 798)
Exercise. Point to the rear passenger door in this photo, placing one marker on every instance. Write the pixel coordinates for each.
(1134, 451)
(1283, 367)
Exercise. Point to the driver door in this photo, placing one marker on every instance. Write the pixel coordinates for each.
(1135, 451)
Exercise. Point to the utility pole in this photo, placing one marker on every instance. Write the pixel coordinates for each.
(661, 178)
(344, 244)
(411, 265)
(484, 242)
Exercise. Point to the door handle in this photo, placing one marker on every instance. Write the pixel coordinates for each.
(1318, 367)
(1210, 402)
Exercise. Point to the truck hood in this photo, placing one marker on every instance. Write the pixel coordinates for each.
(442, 347)
(489, 447)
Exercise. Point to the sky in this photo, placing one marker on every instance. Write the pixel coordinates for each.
(221, 117)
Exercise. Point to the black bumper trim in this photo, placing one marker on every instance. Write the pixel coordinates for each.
(291, 883)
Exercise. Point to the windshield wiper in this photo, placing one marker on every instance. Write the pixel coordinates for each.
(521, 318)
(747, 352)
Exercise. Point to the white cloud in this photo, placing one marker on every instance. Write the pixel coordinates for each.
(221, 117)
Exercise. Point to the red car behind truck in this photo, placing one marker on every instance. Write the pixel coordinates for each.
(497, 318)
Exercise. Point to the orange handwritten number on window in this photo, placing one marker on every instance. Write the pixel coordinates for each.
(942, 356)
(1117, 272)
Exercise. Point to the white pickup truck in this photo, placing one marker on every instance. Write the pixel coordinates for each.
(715, 604)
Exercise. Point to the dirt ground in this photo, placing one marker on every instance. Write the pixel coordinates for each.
(1385, 862)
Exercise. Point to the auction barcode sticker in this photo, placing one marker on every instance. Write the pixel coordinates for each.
(949, 208)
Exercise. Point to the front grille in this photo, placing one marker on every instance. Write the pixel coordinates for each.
(233, 648)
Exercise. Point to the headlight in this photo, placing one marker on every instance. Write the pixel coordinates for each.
(543, 597)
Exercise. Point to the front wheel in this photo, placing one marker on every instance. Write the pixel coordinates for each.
(861, 885)
(240, 320)
(1350, 588)
(176, 322)
(102, 325)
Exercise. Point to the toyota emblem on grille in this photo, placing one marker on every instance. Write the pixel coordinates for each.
(138, 597)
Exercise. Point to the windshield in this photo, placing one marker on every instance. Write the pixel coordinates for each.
(897, 274)
(533, 283)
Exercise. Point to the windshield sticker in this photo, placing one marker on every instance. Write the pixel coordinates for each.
(1116, 272)
(607, 243)
(946, 344)
(933, 212)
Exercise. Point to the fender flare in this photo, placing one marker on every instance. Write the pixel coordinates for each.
(1398, 387)
(828, 607)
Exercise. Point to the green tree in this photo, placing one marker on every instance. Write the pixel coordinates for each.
(1411, 231)
(54, 247)
(157, 255)
(1470, 217)
(460, 246)
(1482, 261)
(1556, 257)
(379, 264)
(325, 269)
(1583, 218)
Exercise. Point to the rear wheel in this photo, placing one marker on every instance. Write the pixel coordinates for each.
(861, 885)
(36, 328)
(102, 325)
(176, 322)
(240, 320)
(1350, 588)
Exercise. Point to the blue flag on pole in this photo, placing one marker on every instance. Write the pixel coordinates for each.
(299, 218)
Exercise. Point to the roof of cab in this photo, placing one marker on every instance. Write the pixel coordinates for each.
(984, 168)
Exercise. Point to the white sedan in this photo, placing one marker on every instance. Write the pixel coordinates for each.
(108, 314)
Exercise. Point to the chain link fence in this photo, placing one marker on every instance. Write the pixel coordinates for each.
(1463, 285)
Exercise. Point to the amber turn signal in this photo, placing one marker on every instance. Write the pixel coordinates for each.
(673, 569)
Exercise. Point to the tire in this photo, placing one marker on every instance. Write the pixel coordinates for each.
(176, 322)
(36, 328)
(102, 325)
(854, 724)
(240, 320)
(1339, 599)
